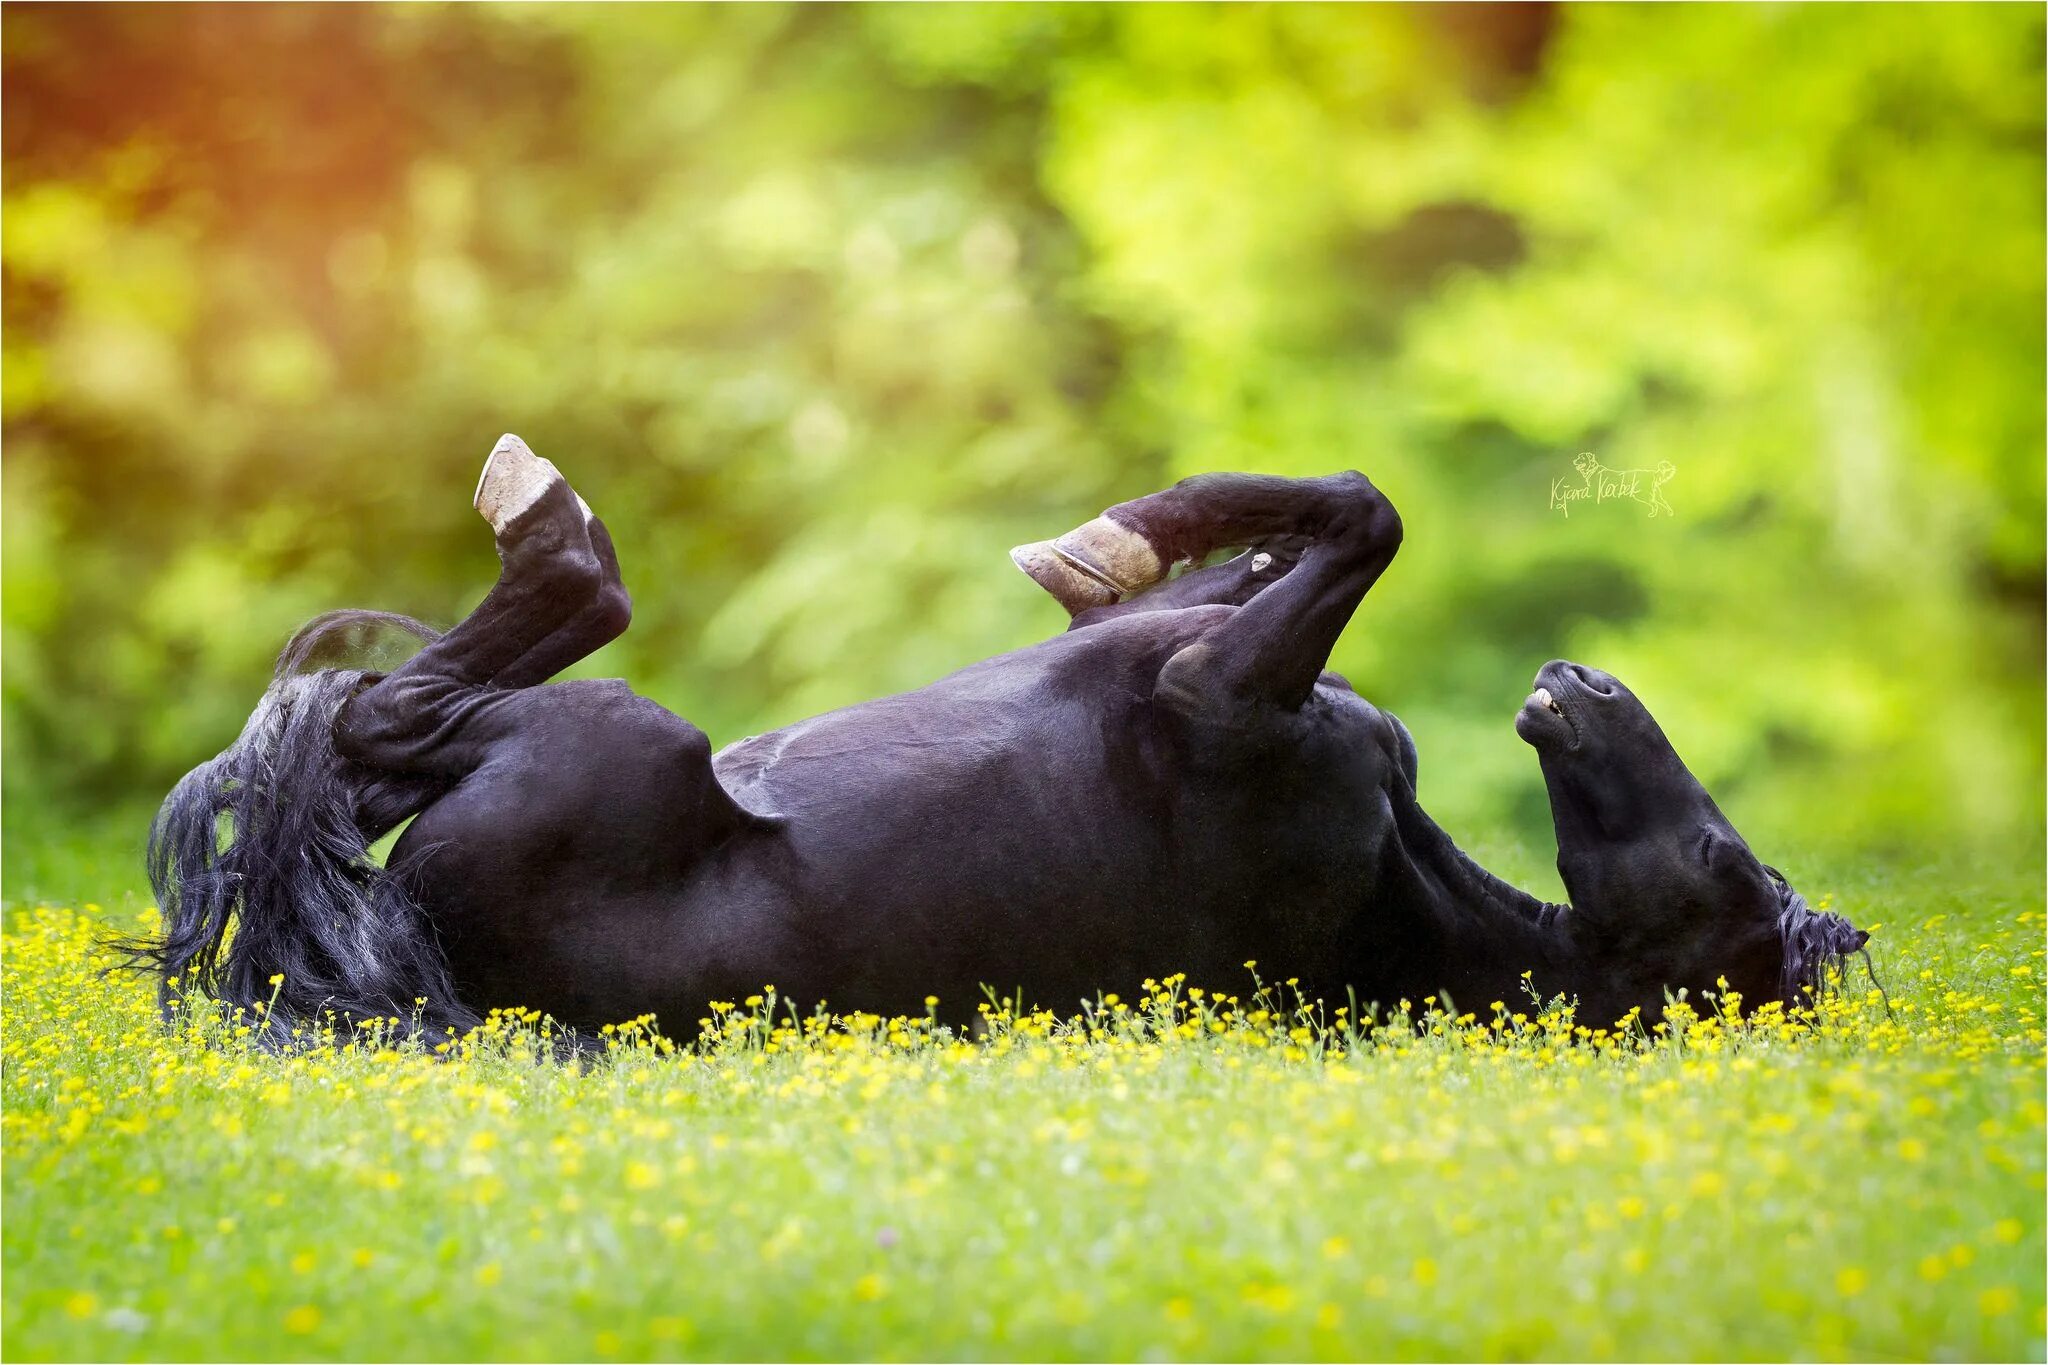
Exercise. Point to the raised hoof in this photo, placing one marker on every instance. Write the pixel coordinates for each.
(1092, 565)
(1074, 590)
(514, 479)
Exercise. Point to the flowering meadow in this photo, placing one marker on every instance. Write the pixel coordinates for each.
(1196, 1170)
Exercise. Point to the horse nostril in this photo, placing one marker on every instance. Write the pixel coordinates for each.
(1593, 682)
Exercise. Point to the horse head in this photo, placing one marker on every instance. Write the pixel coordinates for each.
(1663, 889)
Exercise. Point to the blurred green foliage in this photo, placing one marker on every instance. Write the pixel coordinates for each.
(825, 307)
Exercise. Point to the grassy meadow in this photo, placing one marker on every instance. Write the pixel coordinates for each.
(1185, 1172)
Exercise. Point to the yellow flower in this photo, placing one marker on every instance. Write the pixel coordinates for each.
(2008, 1230)
(1851, 1281)
(870, 1287)
(303, 1263)
(1993, 1302)
(1425, 1271)
(302, 1319)
(81, 1305)
(489, 1274)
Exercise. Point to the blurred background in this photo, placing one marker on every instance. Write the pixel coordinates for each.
(825, 307)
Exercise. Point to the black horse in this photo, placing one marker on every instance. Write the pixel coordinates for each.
(1174, 784)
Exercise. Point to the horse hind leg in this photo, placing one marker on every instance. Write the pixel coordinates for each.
(553, 582)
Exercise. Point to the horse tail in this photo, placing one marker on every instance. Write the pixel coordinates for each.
(260, 859)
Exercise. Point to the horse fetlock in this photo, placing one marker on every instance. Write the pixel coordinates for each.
(513, 480)
(612, 611)
(1093, 565)
(574, 574)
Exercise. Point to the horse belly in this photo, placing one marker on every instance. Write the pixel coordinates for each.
(987, 879)
(1057, 880)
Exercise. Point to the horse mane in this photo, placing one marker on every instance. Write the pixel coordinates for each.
(260, 862)
(1816, 943)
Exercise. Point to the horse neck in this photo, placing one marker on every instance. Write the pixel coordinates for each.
(1487, 930)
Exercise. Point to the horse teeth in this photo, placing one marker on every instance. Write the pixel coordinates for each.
(1543, 698)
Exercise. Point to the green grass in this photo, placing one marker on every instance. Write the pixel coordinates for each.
(1866, 1187)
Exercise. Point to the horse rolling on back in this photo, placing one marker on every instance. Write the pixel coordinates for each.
(1176, 783)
